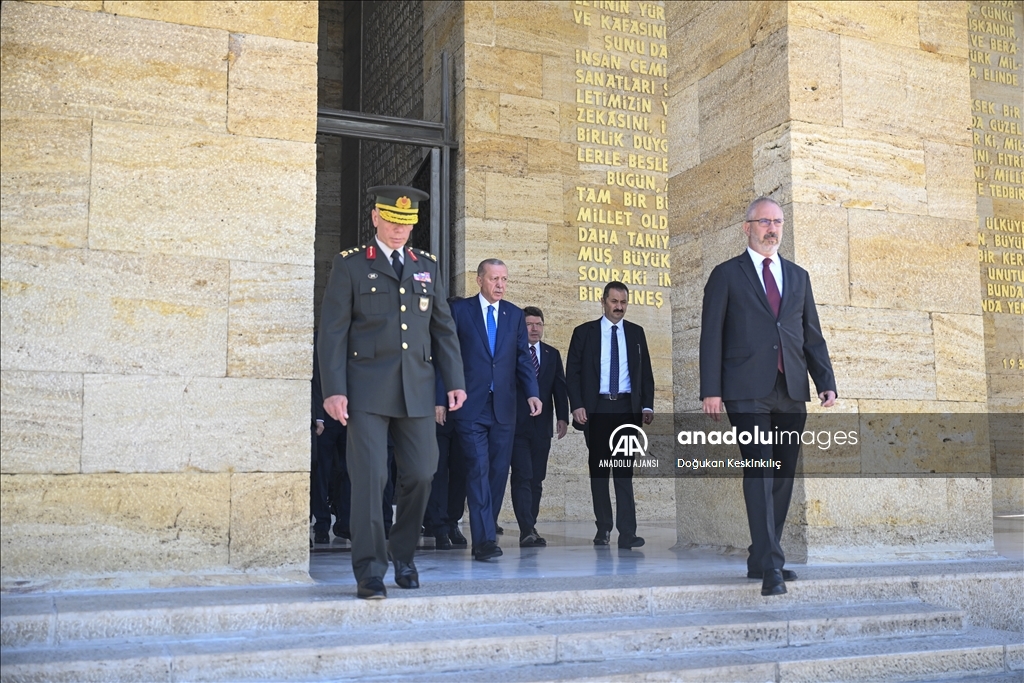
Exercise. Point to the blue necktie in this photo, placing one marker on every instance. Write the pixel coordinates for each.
(613, 371)
(492, 329)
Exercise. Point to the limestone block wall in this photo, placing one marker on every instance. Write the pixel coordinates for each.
(855, 117)
(158, 211)
(516, 177)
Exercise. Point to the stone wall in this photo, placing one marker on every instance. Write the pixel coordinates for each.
(158, 193)
(855, 117)
(996, 43)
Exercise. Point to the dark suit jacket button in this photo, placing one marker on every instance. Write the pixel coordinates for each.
(776, 347)
(778, 324)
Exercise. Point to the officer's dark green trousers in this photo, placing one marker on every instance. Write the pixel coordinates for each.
(416, 461)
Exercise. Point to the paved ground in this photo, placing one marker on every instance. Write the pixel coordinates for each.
(570, 553)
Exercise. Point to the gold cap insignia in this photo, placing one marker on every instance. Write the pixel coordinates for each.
(403, 202)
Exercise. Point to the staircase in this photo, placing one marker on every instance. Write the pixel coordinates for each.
(831, 628)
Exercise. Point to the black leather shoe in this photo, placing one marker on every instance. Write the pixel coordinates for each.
(530, 540)
(321, 537)
(603, 538)
(406, 575)
(629, 542)
(442, 542)
(456, 537)
(773, 583)
(343, 533)
(488, 550)
(540, 539)
(372, 589)
(499, 530)
(787, 575)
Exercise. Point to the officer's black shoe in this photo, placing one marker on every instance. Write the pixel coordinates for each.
(540, 539)
(406, 575)
(530, 540)
(602, 538)
(629, 542)
(488, 550)
(787, 575)
(456, 537)
(442, 542)
(342, 533)
(372, 589)
(321, 537)
(773, 583)
(499, 530)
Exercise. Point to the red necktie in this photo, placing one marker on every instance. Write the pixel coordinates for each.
(536, 363)
(774, 298)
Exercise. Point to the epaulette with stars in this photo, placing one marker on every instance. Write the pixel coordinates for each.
(350, 252)
(426, 253)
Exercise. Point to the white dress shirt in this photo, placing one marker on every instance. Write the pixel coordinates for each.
(484, 303)
(387, 251)
(775, 266)
(536, 347)
(606, 357)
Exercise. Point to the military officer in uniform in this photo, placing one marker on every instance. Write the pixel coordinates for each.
(384, 323)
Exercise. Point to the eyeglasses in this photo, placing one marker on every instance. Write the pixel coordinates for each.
(765, 222)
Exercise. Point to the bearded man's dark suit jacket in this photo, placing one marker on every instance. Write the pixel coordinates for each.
(583, 382)
(533, 437)
(739, 348)
(486, 422)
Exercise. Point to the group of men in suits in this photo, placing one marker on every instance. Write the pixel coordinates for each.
(389, 343)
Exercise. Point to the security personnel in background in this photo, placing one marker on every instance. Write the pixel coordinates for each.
(383, 322)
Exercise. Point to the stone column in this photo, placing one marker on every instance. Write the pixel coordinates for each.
(158, 185)
(856, 118)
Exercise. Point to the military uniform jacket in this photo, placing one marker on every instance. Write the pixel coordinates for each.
(379, 337)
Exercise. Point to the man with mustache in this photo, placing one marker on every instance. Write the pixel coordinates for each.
(759, 338)
(610, 383)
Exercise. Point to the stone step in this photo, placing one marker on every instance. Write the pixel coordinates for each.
(1011, 677)
(978, 655)
(56, 619)
(338, 653)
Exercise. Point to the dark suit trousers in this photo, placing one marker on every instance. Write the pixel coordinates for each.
(767, 492)
(448, 493)
(530, 451)
(456, 483)
(416, 461)
(330, 459)
(341, 491)
(613, 414)
(487, 448)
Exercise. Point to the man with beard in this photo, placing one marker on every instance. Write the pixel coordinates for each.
(759, 338)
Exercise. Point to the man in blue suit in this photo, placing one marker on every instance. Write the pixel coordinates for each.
(496, 357)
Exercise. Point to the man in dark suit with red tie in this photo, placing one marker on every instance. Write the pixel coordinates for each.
(496, 358)
(759, 338)
(533, 434)
(610, 382)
